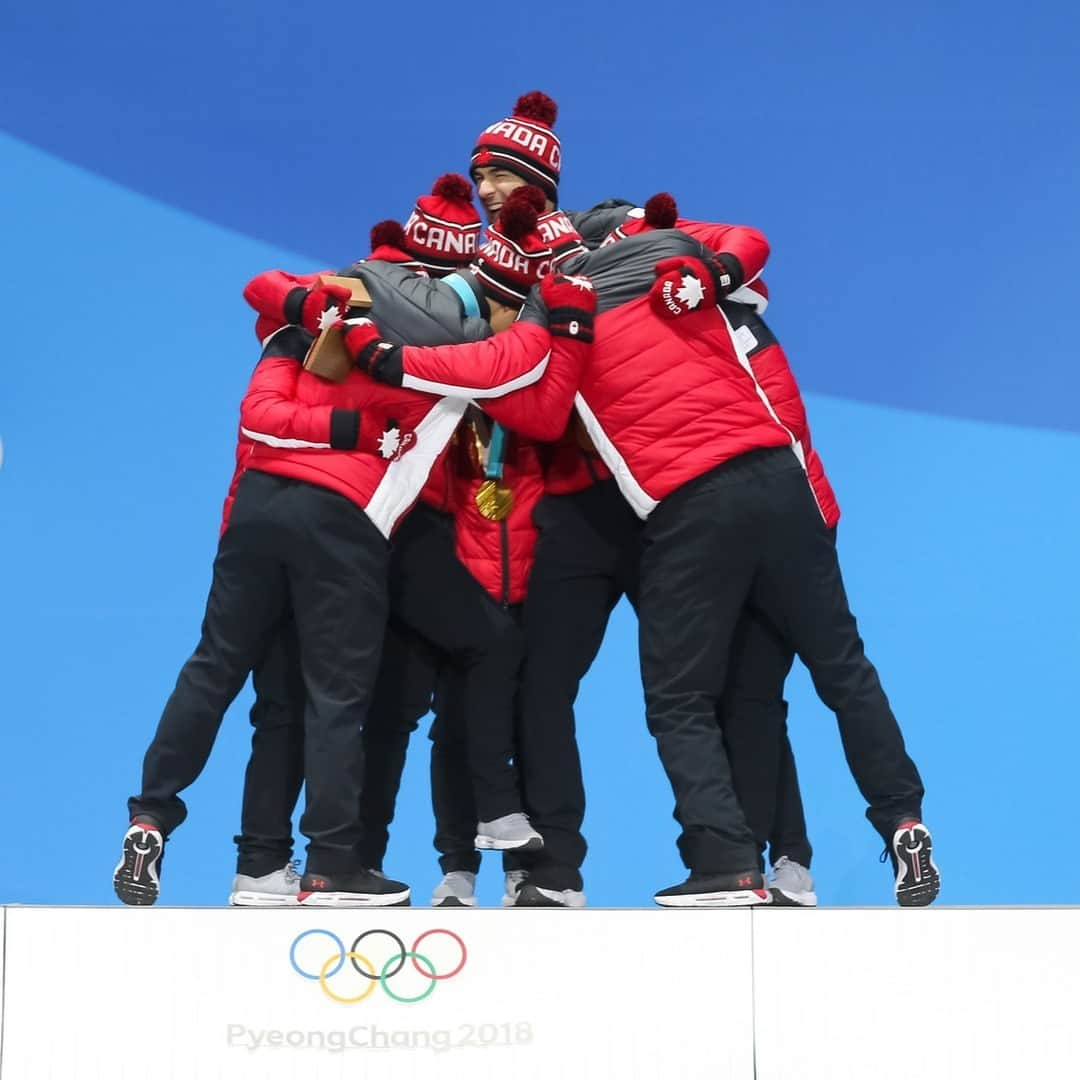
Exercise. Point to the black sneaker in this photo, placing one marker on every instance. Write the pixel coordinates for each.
(361, 888)
(917, 878)
(716, 890)
(530, 895)
(136, 879)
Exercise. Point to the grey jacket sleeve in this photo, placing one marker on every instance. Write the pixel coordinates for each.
(414, 310)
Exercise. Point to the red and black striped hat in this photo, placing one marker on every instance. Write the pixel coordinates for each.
(443, 231)
(524, 144)
(516, 255)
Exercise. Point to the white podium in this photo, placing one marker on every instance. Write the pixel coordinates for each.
(866, 994)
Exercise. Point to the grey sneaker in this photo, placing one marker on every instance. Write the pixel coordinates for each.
(512, 882)
(276, 889)
(457, 889)
(791, 884)
(511, 832)
(533, 896)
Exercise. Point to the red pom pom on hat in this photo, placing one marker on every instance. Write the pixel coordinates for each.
(453, 186)
(518, 217)
(661, 212)
(528, 195)
(388, 233)
(537, 106)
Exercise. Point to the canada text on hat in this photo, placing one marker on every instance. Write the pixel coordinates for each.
(443, 231)
(559, 233)
(524, 143)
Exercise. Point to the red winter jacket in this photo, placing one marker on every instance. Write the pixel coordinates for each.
(268, 294)
(773, 372)
(765, 354)
(499, 554)
(664, 401)
(573, 463)
(301, 426)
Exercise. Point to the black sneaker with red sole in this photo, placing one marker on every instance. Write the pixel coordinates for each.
(137, 879)
(360, 888)
(918, 880)
(742, 889)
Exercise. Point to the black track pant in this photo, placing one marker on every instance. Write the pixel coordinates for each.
(413, 680)
(275, 770)
(753, 715)
(445, 632)
(288, 544)
(749, 531)
(586, 560)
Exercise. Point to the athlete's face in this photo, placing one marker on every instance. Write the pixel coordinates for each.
(493, 186)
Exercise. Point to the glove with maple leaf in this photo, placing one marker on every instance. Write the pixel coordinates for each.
(369, 433)
(368, 351)
(687, 285)
(571, 304)
(318, 307)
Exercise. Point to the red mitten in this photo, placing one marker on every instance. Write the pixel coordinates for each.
(369, 433)
(686, 285)
(323, 306)
(385, 438)
(364, 344)
(571, 304)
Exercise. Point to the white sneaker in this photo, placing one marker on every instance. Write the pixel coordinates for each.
(791, 884)
(457, 889)
(511, 832)
(512, 881)
(279, 888)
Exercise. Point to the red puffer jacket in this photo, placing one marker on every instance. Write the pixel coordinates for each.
(773, 372)
(267, 294)
(767, 358)
(498, 553)
(304, 427)
(573, 463)
(664, 401)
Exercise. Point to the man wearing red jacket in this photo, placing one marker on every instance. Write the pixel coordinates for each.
(491, 502)
(753, 711)
(702, 456)
(309, 521)
(587, 559)
(494, 480)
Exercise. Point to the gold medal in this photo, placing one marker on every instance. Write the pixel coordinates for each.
(494, 501)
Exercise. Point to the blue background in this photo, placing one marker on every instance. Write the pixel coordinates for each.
(916, 170)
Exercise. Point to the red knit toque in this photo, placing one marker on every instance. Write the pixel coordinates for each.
(524, 144)
(443, 231)
(388, 244)
(517, 254)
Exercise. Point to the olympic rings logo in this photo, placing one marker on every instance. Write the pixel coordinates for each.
(377, 973)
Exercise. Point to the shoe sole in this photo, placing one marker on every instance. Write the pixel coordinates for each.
(453, 901)
(793, 899)
(256, 899)
(746, 898)
(136, 878)
(342, 899)
(918, 880)
(489, 843)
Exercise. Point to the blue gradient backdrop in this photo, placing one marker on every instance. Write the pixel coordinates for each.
(916, 171)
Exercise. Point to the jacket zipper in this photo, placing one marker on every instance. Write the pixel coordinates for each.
(504, 532)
